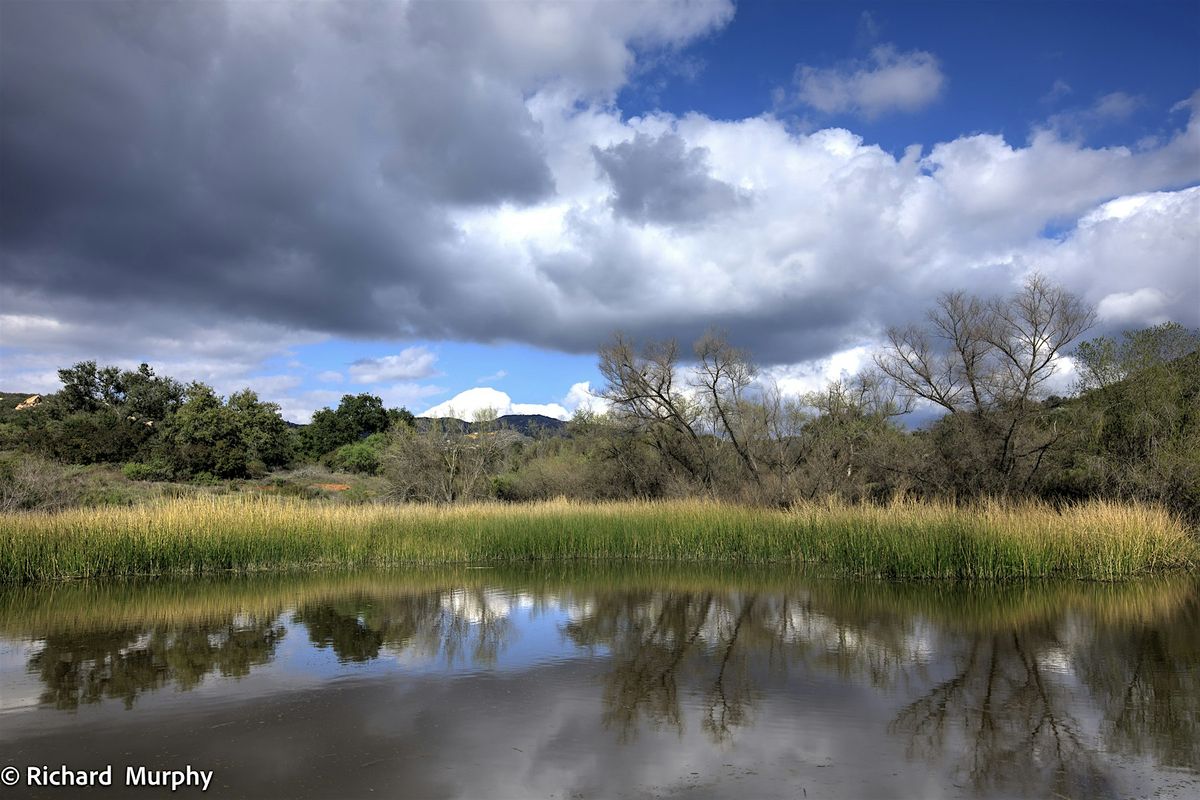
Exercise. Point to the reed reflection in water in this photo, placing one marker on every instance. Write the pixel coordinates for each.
(1070, 689)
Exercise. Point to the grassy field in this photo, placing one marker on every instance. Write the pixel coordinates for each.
(205, 535)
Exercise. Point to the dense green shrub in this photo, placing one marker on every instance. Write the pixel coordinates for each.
(103, 436)
(156, 470)
(361, 456)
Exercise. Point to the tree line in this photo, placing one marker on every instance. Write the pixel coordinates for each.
(161, 429)
(709, 422)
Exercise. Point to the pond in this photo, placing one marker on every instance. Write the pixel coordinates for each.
(570, 681)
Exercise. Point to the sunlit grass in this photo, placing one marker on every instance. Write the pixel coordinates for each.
(906, 539)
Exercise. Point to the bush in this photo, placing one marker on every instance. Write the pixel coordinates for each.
(361, 456)
(30, 482)
(286, 488)
(104, 436)
(155, 470)
(567, 475)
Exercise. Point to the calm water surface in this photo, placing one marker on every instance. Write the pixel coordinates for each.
(607, 682)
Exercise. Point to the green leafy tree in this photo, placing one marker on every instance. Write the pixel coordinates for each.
(1104, 361)
(400, 417)
(263, 431)
(227, 440)
(364, 414)
(1135, 431)
(325, 433)
(356, 417)
(87, 387)
(204, 436)
(102, 414)
(149, 396)
(103, 436)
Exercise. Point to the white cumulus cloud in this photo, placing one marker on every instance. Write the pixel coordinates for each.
(409, 364)
(795, 380)
(1144, 305)
(581, 397)
(887, 81)
(498, 375)
(465, 405)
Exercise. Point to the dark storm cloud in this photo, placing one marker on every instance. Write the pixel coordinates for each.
(243, 166)
(661, 180)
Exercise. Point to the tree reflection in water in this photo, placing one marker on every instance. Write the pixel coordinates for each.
(1144, 678)
(1006, 684)
(719, 642)
(1009, 712)
(657, 638)
(463, 626)
(342, 628)
(1012, 721)
(123, 663)
(1017, 699)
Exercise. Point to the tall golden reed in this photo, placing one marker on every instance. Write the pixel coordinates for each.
(906, 539)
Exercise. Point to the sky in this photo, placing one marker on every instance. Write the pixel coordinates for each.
(453, 205)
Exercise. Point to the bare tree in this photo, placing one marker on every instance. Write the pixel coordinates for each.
(723, 377)
(446, 462)
(991, 360)
(645, 392)
(776, 422)
(1028, 332)
(733, 434)
(841, 445)
(867, 394)
(28, 481)
(979, 355)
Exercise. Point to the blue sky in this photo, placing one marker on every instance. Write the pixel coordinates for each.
(528, 374)
(1002, 61)
(420, 201)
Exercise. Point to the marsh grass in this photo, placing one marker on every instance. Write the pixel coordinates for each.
(906, 539)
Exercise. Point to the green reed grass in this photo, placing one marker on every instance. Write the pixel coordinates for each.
(906, 539)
